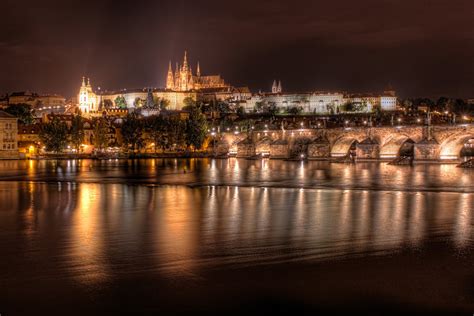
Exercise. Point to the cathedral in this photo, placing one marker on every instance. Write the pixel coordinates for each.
(183, 79)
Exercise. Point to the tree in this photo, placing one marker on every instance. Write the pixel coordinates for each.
(348, 107)
(22, 111)
(176, 131)
(108, 104)
(377, 110)
(240, 111)
(54, 135)
(295, 110)
(120, 102)
(150, 102)
(258, 107)
(77, 131)
(138, 102)
(189, 102)
(460, 106)
(442, 104)
(132, 131)
(158, 129)
(164, 104)
(196, 126)
(101, 130)
(272, 108)
(223, 107)
(408, 105)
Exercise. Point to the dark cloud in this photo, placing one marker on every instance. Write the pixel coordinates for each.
(421, 47)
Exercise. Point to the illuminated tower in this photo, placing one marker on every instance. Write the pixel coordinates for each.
(274, 87)
(87, 99)
(176, 77)
(170, 78)
(198, 70)
(184, 75)
(279, 87)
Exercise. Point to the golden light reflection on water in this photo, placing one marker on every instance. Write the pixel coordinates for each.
(464, 221)
(175, 234)
(176, 230)
(416, 228)
(87, 250)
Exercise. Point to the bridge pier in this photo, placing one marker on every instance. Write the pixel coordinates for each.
(280, 149)
(425, 144)
(427, 150)
(319, 149)
(246, 148)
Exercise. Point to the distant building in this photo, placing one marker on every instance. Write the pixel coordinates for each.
(37, 101)
(8, 136)
(28, 138)
(3, 101)
(322, 102)
(181, 84)
(87, 99)
(183, 79)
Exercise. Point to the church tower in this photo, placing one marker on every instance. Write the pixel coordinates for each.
(86, 98)
(185, 75)
(170, 78)
(185, 79)
(279, 89)
(274, 87)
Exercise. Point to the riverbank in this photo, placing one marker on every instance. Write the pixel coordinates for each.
(469, 164)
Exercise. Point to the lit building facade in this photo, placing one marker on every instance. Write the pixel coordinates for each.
(320, 102)
(87, 99)
(182, 79)
(36, 101)
(8, 136)
(183, 84)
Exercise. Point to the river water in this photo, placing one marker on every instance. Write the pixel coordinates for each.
(175, 236)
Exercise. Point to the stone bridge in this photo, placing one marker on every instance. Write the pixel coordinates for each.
(424, 143)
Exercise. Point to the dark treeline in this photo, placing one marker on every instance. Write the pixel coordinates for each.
(442, 104)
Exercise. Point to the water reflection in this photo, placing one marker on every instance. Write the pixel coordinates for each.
(176, 240)
(86, 251)
(464, 221)
(77, 220)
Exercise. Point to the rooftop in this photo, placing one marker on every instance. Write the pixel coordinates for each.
(4, 114)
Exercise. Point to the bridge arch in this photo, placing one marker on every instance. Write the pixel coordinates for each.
(450, 148)
(396, 146)
(343, 145)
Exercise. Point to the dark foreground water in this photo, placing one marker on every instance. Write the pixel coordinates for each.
(234, 237)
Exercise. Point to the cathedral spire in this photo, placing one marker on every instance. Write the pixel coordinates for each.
(185, 61)
(170, 78)
(274, 87)
(279, 86)
(198, 70)
(83, 81)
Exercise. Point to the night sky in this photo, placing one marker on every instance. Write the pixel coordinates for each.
(421, 48)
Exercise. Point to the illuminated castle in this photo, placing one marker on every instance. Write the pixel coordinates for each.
(183, 79)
